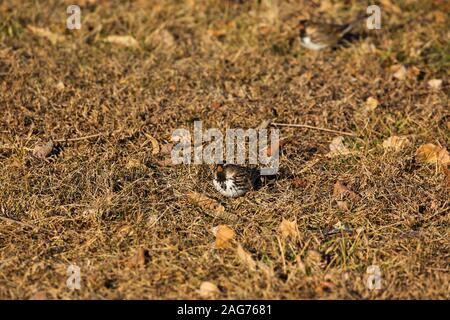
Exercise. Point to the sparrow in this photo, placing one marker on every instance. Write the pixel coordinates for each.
(318, 36)
(234, 181)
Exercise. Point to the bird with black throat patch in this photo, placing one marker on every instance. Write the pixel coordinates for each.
(317, 36)
(233, 181)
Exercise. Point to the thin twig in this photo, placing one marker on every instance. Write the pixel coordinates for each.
(27, 225)
(23, 224)
(79, 138)
(314, 128)
(56, 140)
(308, 165)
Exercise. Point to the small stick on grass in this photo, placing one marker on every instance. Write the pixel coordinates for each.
(79, 138)
(313, 128)
(23, 224)
(57, 140)
(26, 225)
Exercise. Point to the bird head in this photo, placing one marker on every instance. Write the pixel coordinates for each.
(219, 172)
(302, 25)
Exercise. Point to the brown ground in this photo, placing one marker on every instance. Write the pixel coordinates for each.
(96, 201)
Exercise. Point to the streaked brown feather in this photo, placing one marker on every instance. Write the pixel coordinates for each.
(243, 179)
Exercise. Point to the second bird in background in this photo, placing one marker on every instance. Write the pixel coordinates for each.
(317, 36)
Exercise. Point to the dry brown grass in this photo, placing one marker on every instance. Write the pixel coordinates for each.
(228, 64)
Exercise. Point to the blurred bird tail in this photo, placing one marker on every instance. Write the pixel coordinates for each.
(352, 24)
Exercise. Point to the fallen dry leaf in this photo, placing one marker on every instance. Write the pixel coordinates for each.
(288, 229)
(314, 259)
(126, 41)
(224, 234)
(307, 76)
(435, 84)
(325, 287)
(161, 38)
(165, 162)
(399, 71)
(246, 258)
(166, 149)
(46, 33)
(208, 289)
(39, 295)
(299, 183)
(222, 30)
(430, 153)
(269, 12)
(217, 32)
(340, 189)
(216, 105)
(134, 164)
(173, 87)
(60, 86)
(42, 151)
(205, 202)
(447, 175)
(337, 147)
(395, 143)
(371, 104)
(413, 72)
(343, 205)
(439, 16)
(139, 259)
(155, 144)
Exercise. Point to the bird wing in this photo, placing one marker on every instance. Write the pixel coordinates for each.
(323, 34)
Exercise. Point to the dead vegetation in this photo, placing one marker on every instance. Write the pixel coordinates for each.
(85, 125)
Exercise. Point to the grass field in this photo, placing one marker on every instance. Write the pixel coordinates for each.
(106, 201)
